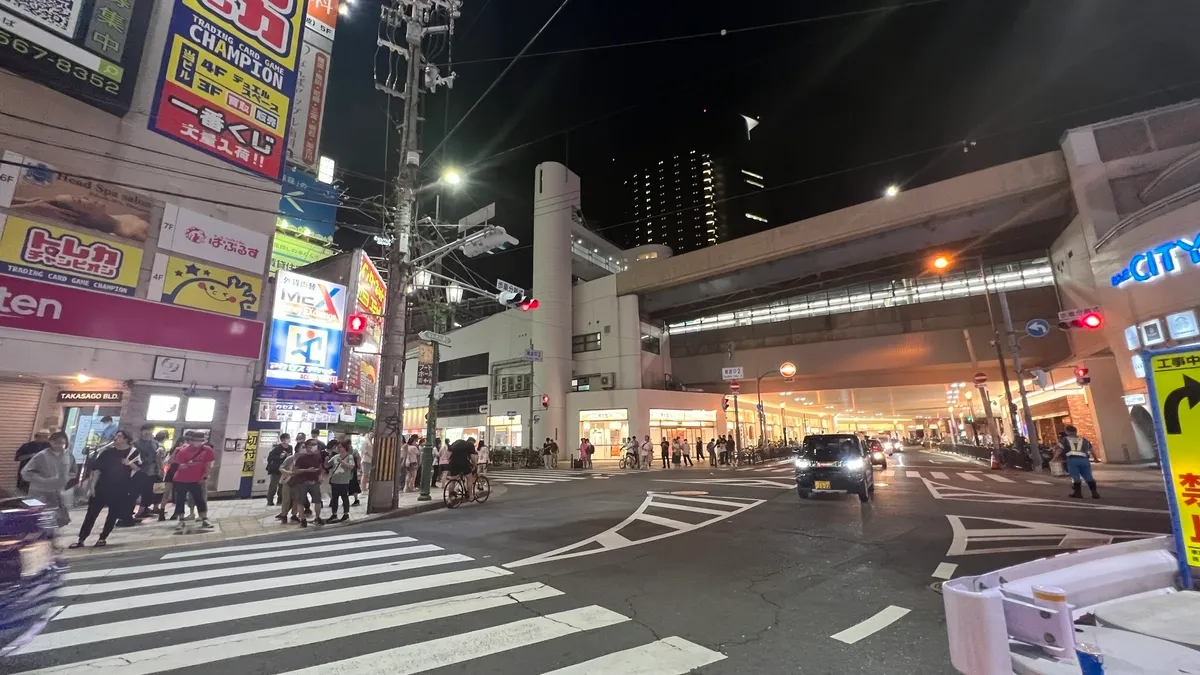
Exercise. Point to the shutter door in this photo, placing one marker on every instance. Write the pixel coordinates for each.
(18, 415)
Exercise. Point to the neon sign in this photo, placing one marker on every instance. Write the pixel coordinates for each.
(1157, 261)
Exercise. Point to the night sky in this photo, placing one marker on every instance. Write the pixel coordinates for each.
(847, 105)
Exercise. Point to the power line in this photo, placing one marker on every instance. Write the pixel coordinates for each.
(711, 34)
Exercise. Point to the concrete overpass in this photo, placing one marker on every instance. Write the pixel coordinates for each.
(1002, 211)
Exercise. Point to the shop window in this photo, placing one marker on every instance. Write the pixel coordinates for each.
(162, 408)
(651, 344)
(467, 366)
(200, 409)
(589, 342)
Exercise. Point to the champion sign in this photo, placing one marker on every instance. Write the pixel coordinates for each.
(1157, 261)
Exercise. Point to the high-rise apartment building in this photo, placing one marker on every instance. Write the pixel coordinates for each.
(693, 200)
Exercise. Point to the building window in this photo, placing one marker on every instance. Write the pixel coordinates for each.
(467, 366)
(465, 402)
(589, 342)
(513, 386)
(200, 410)
(162, 408)
(651, 344)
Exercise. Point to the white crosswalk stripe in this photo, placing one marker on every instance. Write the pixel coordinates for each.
(969, 476)
(535, 477)
(235, 618)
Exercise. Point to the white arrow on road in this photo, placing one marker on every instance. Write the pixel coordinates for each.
(963, 494)
(777, 484)
(658, 509)
(974, 535)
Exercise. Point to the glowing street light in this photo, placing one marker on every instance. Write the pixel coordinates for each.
(891, 191)
(452, 177)
(941, 263)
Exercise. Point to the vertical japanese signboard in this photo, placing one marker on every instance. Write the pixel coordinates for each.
(362, 364)
(1174, 381)
(304, 142)
(322, 17)
(89, 51)
(228, 80)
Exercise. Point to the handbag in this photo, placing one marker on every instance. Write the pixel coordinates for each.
(1057, 469)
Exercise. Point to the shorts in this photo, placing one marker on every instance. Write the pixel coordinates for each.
(459, 468)
(310, 490)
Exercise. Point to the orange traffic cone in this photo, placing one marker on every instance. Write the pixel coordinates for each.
(995, 462)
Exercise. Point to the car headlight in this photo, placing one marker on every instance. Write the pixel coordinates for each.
(854, 464)
(803, 463)
(878, 455)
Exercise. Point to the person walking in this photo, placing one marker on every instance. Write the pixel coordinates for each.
(281, 451)
(41, 441)
(483, 457)
(443, 461)
(1078, 453)
(687, 452)
(191, 475)
(50, 472)
(108, 488)
(341, 467)
(546, 454)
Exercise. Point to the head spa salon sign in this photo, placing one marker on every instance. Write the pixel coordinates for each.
(1158, 261)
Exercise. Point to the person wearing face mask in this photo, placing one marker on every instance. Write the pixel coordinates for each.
(109, 473)
(48, 473)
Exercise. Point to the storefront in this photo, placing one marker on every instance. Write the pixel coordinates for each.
(692, 425)
(294, 411)
(505, 431)
(606, 429)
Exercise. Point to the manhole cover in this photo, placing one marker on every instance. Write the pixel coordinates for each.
(937, 587)
(689, 493)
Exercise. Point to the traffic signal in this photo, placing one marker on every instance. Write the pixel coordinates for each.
(529, 304)
(356, 327)
(1089, 321)
(521, 301)
(545, 400)
(725, 403)
(1082, 377)
(492, 239)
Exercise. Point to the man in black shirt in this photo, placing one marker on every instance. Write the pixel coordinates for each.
(281, 451)
(462, 462)
(41, 441)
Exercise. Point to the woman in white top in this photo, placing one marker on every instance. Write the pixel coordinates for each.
(443, 461)
(412, 456)
(483, 456)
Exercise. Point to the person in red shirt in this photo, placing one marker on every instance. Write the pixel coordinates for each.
(193, 461)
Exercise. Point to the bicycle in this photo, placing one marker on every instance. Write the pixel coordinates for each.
(629, 461)
(455, 491)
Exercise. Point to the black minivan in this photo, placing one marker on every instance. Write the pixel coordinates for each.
(834, 463)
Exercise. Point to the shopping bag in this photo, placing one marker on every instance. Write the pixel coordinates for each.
(1057, 469)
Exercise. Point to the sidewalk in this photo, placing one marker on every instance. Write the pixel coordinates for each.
(231, 519)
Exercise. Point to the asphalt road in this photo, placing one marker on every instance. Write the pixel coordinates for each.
(676, 571)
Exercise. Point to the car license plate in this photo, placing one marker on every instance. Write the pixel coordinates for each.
(822, 485)
(35, 558)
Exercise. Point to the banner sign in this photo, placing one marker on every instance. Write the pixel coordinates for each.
(89, 396)
(322, 17)
(42, 193)
(289, 252)
(312, 78)
(186, 283)
(199, 236)
(309, 204)
(228, 78)
(88, 51)
(362, 366)
(424, 365)
(306, 331)
(1174, 383)
(60, 256)
(61, 310)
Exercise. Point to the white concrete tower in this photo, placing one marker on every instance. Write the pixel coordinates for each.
(555, 193)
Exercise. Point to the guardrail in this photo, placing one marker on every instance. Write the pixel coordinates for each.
(972, 451)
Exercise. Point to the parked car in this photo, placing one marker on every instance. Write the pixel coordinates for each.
(834, 463)
(30, 570)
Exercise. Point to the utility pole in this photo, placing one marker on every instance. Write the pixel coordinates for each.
(415, 20)
(1015, 347)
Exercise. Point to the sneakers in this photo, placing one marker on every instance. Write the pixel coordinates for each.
(303, 523)
(270, 503)
(296, 520)
(318, 521)
(205, 525)
(346, 516)
(281, 518)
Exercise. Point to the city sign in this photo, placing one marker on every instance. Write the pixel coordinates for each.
(1037, 328)
(90, 396)
(787, 369)
(430, 336)
(732, 373)
(533, 355)
(735, 387)
(199, 236)
(980, 380)
(308, 204)
(1157, 261)
(60, 256)
(505, 287)
(91, 54)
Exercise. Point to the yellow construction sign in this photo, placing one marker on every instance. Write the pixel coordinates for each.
(1175, 384)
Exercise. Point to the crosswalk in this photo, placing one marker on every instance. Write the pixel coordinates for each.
(362, 603)
(532, 477)
(898, 472)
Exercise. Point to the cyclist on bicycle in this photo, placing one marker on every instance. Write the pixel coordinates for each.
(462, 462)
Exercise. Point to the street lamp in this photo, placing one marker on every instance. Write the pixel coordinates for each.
(454, 293)
(891, 191)
(451, 177)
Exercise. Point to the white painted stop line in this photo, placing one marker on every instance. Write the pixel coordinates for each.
(883, 619)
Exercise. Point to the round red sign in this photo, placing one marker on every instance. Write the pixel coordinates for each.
(980, 379)
(735, 386)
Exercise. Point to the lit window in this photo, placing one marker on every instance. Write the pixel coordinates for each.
(162, 408)
(200, 410)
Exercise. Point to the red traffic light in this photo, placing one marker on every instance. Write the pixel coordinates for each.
(1081, 372)
(357, 323)
(1092, 320)
(530, 305)
(545, 400)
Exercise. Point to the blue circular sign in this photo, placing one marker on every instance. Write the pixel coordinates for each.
(1038, 328)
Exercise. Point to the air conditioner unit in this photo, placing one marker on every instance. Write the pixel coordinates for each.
(608, 381)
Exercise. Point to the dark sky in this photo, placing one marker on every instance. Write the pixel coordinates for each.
(848, 105)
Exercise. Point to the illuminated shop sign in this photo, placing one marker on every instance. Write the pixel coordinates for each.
(1157, 262)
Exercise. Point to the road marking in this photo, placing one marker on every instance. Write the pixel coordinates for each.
(913, 474)
(446, 651)
(281, 566)
(164, 598)
(704, 500)
(611, 539)
(279, 544)
(247, 557)
(999, 479)
(873, 625)
(945, 571)
(669, 656)
(185, 654)
(939, 475)
(735, 482)
(888, 473)
(959, 493)
(1029, 536)
(294, 603)
(513, 482)
(662, 504)
(971, 477)
(1041, 482)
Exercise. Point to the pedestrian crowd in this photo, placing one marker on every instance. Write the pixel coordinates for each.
(677, 452)
(298, 476)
